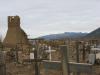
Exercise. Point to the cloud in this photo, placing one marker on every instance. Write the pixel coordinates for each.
(40, 17)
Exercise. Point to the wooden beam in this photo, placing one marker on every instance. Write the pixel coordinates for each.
(34, 60)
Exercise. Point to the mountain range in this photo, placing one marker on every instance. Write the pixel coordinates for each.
(65, 35)
(74, 35)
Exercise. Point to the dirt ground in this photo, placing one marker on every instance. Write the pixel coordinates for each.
(27, 69)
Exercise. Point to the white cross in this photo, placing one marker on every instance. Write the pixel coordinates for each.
(50, 51)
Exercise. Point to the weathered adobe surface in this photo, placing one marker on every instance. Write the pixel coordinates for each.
(15, 35)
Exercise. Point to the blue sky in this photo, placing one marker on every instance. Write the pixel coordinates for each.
(41, 17)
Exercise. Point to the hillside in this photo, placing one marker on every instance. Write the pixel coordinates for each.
(94, 34)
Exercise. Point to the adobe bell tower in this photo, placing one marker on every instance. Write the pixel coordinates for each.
(15, 35)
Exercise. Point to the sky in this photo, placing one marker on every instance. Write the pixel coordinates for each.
(42, 17)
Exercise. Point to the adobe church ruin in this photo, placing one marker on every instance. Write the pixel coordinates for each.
(15, 35)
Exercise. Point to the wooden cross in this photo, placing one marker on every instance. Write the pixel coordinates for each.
(16, 49)
(35, 60)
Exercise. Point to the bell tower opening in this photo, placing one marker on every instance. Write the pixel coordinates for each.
(13, 21)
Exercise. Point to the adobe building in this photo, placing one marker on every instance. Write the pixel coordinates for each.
(15, 35)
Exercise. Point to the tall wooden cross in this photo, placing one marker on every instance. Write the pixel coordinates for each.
(36, 61)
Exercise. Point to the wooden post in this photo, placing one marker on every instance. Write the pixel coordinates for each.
(50, 53)
(2, 63)
(83, 52)
(16, 56)
(77, 52)
(37, 72)
(65, 66)
(77, 55)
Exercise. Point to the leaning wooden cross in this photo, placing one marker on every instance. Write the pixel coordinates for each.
(67, 67)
